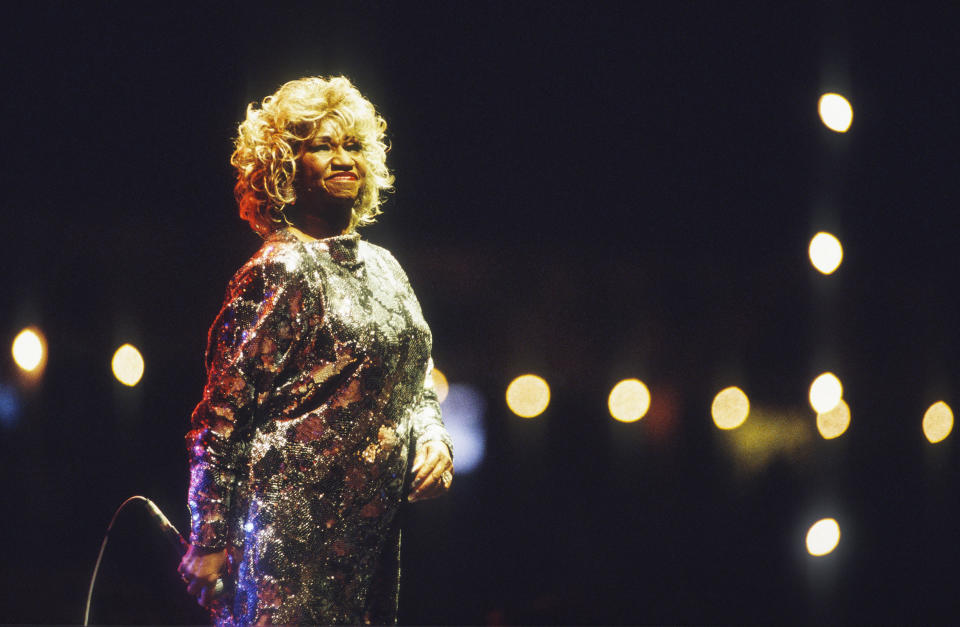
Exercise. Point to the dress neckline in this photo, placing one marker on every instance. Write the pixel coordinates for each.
(343, 249)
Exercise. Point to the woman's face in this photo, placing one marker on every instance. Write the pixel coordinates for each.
(333, 164)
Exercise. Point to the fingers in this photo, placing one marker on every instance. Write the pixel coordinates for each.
(204, 589)
(422, 465)
(196, 586)
(428, 457)
(206, 597)
(431, 488)
(422, 453)
(433, 472)
(201, 576)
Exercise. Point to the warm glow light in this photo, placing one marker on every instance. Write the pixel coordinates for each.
(440, 385)
(836, 112)
(730, 408)
(629, 400)
(834, 423)
(29, 349)
(127, 365)
(938, 422)
(823, 537)
(826, 253)
(528, 396)
(768, 435)
(825, 392)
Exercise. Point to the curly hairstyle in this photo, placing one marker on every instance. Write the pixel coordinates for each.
(274, 137)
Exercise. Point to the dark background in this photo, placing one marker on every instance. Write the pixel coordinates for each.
(587, 191)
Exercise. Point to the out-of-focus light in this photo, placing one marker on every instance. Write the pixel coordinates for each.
(528, 396)
(823, 537)
(938, 422)
(730, 408)
(127, 365)
(769, 434)
(629, 400)
(826, 252)
(29, 350)
(834, 423)
(836, 112)
(463, 415)
(440, 384)
(9, 405)
(825, 392)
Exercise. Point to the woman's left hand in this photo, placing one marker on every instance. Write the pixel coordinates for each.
(432, 471)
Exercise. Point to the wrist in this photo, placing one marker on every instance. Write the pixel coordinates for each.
(436, 442)
(198, 549)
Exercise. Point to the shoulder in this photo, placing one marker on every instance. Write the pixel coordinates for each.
(387, 270)
(379, 255)
(279, 260)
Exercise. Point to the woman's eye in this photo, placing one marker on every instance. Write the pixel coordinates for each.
(319, 147)
(353, 146)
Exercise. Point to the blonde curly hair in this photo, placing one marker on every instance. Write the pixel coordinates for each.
(274, 136)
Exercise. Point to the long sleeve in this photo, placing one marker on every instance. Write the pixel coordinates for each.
(426, 421)
(247, 347)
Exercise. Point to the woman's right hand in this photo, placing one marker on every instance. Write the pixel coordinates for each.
(200, 569)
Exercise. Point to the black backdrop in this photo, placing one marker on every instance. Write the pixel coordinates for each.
(588, 191)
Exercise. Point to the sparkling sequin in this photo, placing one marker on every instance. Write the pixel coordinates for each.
(318, 385)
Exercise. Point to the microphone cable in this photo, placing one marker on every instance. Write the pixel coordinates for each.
(176, 541)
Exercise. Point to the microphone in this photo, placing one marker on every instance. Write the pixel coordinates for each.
(169, 531)
(176, 540)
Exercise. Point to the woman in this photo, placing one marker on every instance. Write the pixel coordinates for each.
(319, 381)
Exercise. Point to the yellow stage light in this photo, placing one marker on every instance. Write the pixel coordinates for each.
(440, 385)
(835, 112)
(938, 422)
(823, 537)
(29, 350)
(834, 423)
(730, 408)
(127, 365)
(825, 392)
(629, 400)
(826, 252)
(528, 396)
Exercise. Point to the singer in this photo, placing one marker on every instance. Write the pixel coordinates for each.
(318, 381)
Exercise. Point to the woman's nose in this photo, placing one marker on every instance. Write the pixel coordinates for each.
(342, 157)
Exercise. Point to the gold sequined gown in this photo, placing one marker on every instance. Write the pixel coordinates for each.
(318, 384)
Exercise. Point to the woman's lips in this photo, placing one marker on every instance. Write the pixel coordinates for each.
(342, 176)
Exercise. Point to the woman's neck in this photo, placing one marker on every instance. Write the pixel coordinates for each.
(321, 222)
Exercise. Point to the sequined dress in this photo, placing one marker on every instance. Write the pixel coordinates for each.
(318, 385)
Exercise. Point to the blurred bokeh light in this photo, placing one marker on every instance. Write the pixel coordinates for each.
(826, 392)
(463, 415)
(730, 408)
(937, 422)
(440, 384)
(770, 434)
(629, 400)
(823, 537)
(528, 396)
(834, 423)
(127, 365)
(9, 405)
(30, 350)
(825, 252)
(835, 112)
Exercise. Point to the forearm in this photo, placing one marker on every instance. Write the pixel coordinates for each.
(212, 478)
(244, 353)
(427, 424)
